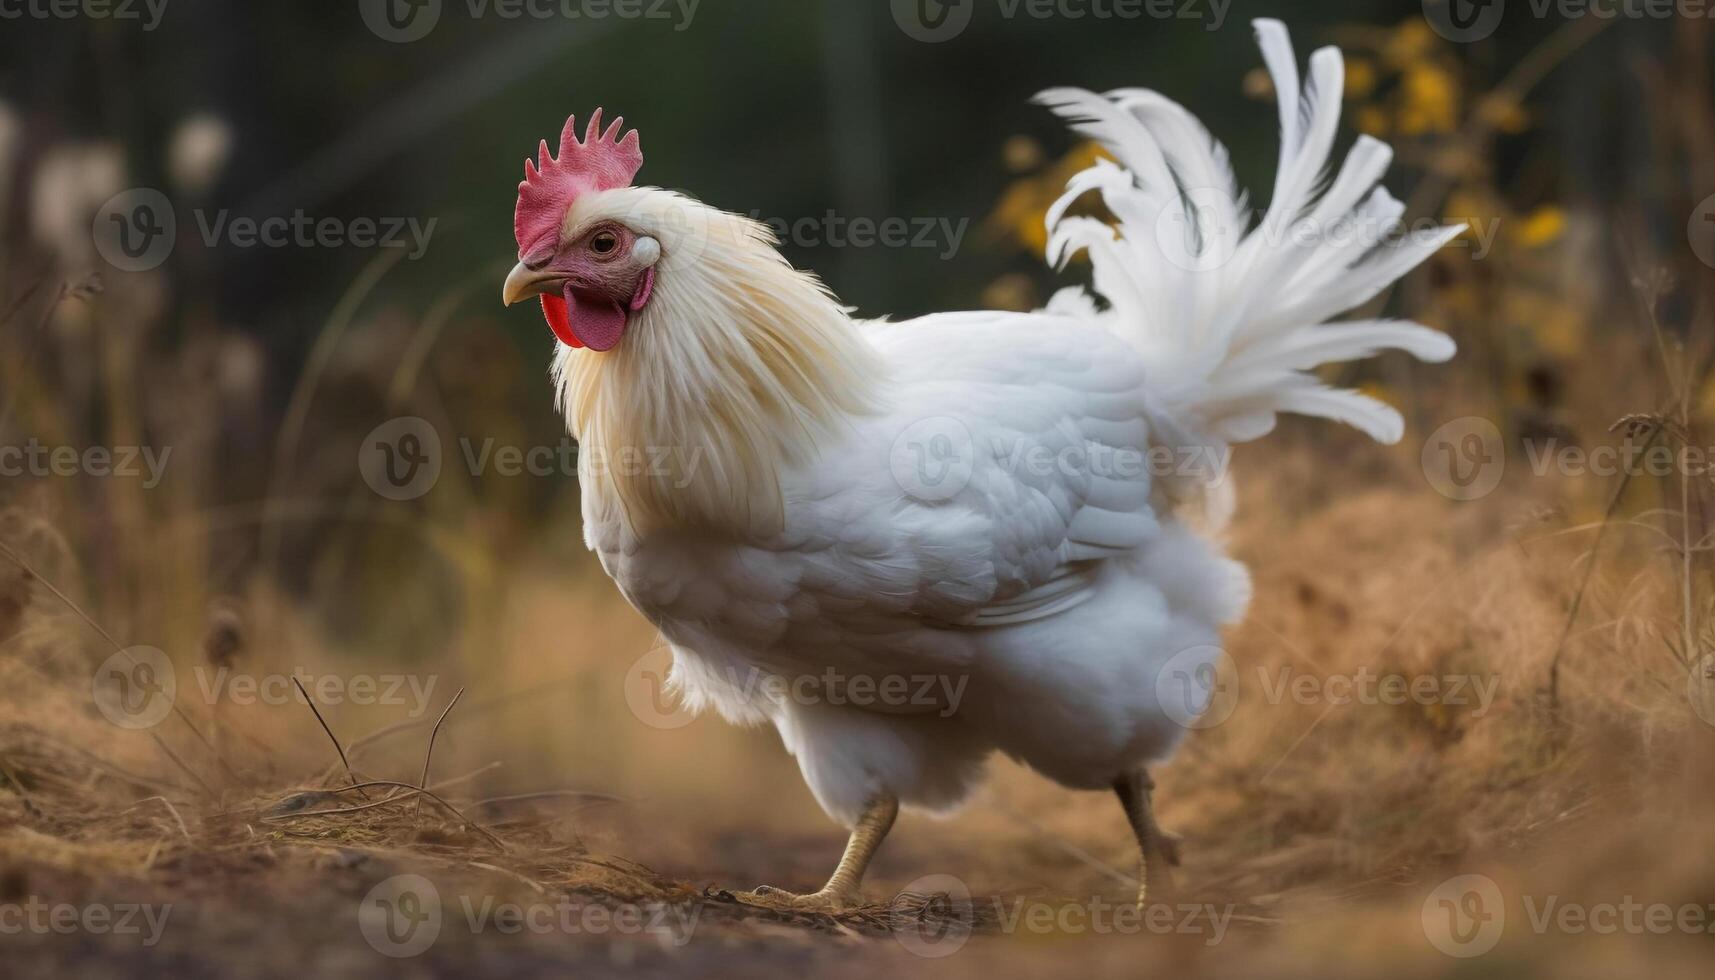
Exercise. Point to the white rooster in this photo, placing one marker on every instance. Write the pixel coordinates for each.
(823, 514)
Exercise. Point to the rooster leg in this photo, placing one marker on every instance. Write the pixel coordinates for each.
(841, 891)
(1134, 792)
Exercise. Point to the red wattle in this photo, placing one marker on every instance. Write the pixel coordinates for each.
(559, 319)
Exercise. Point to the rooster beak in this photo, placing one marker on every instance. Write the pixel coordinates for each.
(524, 282)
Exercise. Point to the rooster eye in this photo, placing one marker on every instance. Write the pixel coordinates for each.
(604, 242)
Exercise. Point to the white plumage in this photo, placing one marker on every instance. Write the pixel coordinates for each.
(998, 500)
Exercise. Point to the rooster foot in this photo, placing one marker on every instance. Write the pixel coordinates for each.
(826, 902)
(840, 894)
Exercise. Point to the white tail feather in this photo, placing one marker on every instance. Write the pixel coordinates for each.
(1232, 319)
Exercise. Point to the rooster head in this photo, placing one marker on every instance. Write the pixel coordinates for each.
(592, 275)
(680, 325)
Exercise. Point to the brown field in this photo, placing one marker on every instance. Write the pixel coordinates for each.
(1316, 831)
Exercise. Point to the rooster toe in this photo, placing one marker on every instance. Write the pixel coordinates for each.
(779, 899)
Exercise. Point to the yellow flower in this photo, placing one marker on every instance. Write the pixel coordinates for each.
(1372, 120)
(1360, 78)
(1430, 101)
(1019, 214)
(1540, 227)
(1411, 43)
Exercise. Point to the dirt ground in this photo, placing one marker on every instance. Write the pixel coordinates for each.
(581, 827)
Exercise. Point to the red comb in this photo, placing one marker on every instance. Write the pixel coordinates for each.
(597, 163)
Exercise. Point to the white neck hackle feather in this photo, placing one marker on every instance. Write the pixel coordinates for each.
(739, 366)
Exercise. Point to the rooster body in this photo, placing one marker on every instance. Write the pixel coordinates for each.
(996, 501)
(1049, 596)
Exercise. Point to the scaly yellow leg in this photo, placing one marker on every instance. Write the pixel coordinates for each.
(1134, 792)
(841, 891)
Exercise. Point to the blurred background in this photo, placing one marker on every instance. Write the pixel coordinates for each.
(238, 241)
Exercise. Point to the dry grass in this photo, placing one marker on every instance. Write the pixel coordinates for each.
(1319, 826)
